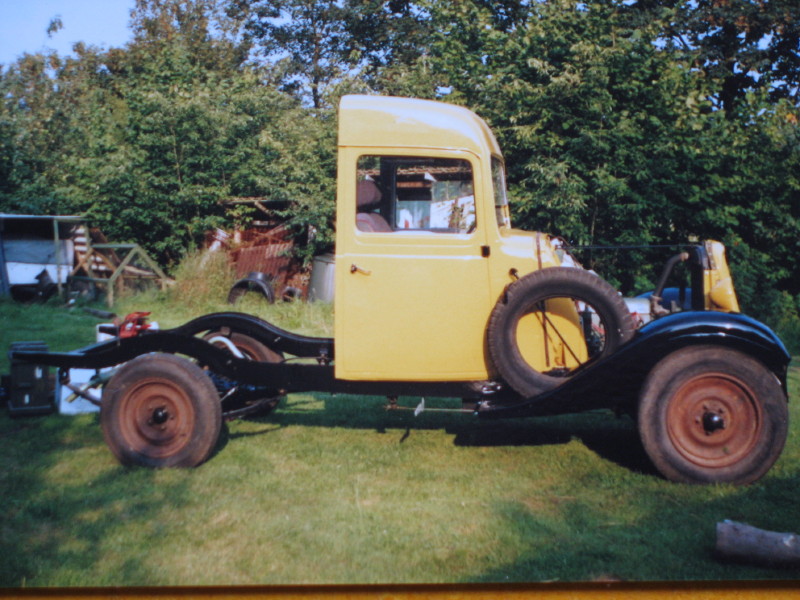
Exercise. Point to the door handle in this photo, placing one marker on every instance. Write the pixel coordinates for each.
(357, 269)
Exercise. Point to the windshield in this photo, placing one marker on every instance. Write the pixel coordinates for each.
(500, 197)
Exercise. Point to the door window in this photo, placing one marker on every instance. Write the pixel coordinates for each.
(401, 193)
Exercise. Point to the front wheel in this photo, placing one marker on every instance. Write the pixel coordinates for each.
(160, 410)
(712, 415)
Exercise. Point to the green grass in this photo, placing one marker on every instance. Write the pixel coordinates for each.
(334, 489)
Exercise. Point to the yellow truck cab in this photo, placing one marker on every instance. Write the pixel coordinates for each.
(437, 296)
(420, 259)
(425, 248)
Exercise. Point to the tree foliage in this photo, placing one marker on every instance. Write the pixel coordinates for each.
(743, 45)
(147, 141)
(305, 37)
(614, 136)
(622, 122)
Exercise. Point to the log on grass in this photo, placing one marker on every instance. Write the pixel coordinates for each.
(745, 543)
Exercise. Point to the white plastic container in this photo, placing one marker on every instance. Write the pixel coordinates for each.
(79, 377)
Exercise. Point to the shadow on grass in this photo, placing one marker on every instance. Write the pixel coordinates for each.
(673, 540)
(105, 522)
(575, 536)
(612, 438)
(107, 516)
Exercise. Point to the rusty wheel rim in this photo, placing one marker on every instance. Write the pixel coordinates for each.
(157, 417)
(714, 420)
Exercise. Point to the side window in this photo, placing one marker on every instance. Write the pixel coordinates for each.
(401, 193)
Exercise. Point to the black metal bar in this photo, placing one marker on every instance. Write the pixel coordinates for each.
(285, 376)
(629, 247)
(698, 264)
(266, 333)
(668, 268)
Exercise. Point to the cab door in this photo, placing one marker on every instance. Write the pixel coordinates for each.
(412, 282)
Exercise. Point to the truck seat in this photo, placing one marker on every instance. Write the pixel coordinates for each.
(368, 196)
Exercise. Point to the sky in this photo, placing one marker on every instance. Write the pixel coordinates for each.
(23, 25)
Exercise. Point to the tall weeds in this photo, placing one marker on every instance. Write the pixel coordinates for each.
(202, 283)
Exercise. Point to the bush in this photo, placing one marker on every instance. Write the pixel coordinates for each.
(786, 320)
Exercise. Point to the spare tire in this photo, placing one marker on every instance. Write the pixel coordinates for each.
(550, 322)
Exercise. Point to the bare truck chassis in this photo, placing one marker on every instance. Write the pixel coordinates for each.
(614, 382)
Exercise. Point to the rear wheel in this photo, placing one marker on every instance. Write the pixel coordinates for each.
(552, 322)
(160, 410)
(712, 415)
(253, 402)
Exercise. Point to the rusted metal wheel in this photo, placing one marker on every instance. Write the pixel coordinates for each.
(160, 410)
(714, 420)
(712, 415)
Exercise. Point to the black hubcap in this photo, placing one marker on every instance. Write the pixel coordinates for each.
(712, 422)
(160, 416)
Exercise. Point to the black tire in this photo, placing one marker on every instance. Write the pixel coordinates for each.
(160, 410)
(260, 283)
(259, 405)
(547, 300)
(712, 415)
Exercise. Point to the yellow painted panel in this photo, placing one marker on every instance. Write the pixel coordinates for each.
(415, 305)
(372, 121)
(553, 338)
(719, 291)
(415, 312)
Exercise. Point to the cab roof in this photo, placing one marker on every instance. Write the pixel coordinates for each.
(385, 121)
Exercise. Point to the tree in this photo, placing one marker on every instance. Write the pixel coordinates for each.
(307, 39)
(34, 121)
(742, 45)
(591, 116)
(622, 122)
(211, 35)
(384, 37)
(147, 140)
(189, 138)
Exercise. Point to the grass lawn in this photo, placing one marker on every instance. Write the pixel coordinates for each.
(331, 490)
